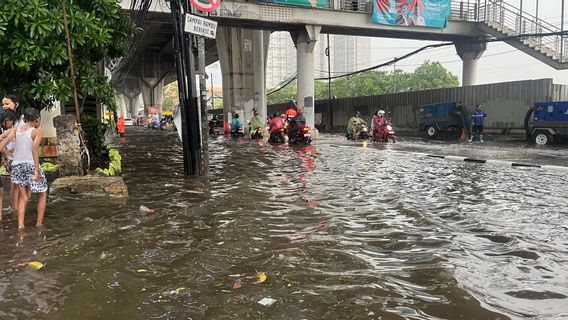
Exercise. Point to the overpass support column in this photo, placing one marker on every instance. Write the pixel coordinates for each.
(470, 54)
(235, 49)
(152, 92)
(305, 41)
(260, 42)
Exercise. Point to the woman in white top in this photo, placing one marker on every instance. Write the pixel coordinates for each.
(26, 172)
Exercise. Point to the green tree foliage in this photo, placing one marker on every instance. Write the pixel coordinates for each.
(171, 97)
(33, 53)
(430, 75)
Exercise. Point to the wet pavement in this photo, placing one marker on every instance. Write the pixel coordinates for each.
(343, 230)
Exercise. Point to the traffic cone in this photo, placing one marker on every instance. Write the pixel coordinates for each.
(462, 137)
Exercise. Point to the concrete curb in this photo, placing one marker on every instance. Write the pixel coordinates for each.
(497, 162)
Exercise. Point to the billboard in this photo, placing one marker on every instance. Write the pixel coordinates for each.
(428, 13)
(302, 3)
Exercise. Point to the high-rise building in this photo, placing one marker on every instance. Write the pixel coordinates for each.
(348, 54)
(281, 59)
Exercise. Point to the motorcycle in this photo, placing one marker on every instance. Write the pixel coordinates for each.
(213, 128)
(163, 124)
(385, 134)
(239, 132)
(362, 133)
(256, 133)
(277, 136)
(300, 136)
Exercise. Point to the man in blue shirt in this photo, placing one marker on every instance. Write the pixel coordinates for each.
(477, 117)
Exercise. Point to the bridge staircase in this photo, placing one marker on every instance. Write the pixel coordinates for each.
(503, 20)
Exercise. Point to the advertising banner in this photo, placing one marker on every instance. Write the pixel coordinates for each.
(302, 3)
(427, 13)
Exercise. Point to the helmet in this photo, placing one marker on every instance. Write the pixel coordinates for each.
(357, 113)
(236, 115)
(381, 113)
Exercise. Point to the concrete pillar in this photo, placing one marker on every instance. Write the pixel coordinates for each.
(259, 58)
(305, 41)
(470, 54)
(121, 108)
(242, 55)
(152, 93)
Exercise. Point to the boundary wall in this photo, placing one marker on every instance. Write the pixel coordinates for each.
(506, 104)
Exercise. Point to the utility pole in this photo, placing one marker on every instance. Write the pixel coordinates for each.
(394, 77)
(212, 92)
(562, 49)
(185, 67)
(328, 54)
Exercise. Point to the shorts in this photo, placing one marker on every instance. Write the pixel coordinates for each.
(477, 129)
(23, 175)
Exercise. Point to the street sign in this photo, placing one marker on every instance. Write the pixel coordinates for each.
(205, 5)
(200, 26)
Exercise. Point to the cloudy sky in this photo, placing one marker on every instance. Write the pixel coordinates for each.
(499, 63)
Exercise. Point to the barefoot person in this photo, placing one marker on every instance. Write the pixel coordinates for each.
(26, 172)
(12, 102)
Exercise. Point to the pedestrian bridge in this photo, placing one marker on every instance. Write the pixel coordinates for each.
(244, 29)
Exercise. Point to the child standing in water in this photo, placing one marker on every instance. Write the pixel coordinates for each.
(26, 172)
(7, 120)
(12, 102)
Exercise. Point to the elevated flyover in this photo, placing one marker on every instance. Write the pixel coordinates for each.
(244, 27)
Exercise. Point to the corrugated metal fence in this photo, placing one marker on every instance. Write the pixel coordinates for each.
(505, 103)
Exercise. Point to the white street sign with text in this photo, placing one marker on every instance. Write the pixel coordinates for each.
(200, 26)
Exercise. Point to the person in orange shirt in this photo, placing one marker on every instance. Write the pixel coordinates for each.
(120, 126)
(291, 112)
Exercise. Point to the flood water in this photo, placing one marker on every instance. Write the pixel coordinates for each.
(343, 230)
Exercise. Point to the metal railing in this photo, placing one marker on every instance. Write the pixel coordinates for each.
(497, 14)
(511, 21)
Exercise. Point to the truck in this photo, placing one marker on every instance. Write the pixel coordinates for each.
(547, 122)
(446, 116)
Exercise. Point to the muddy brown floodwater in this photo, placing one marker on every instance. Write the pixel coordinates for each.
(342, 231)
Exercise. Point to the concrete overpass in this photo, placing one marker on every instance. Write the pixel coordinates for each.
(243, 34)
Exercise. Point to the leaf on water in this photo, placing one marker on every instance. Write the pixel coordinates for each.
(36, 265)
(261, 277)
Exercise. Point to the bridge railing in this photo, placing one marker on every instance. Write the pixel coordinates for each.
(511, 21)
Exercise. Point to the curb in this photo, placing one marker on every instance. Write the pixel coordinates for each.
(498, 162)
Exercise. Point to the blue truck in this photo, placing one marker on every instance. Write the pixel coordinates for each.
(547, 122)
(438, 117)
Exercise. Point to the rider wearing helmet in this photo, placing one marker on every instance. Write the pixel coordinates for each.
(296, 123)
(236, 123)
(275, 124)
(354, 126)
(257, 122)
(379, 123)
(291, 111)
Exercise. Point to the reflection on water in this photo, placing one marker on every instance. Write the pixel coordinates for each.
(343, 231)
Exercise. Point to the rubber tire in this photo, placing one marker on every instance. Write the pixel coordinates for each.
(541, 138)
(431, 132)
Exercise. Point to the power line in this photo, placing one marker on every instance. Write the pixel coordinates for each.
(430, 46)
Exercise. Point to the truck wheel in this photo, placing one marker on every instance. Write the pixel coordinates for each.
(431, 131)
(542, 138)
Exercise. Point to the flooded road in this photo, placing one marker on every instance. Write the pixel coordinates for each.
(342, 230)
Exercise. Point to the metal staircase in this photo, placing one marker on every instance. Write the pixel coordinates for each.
(503, 20)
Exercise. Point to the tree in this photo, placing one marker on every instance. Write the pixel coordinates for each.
(33, 53)
(430, 75)
(171, 97)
